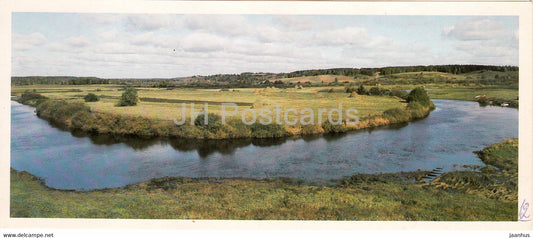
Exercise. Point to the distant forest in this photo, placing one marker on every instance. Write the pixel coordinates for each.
(272, 79)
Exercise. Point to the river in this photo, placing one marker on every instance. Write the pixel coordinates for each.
(445, 139)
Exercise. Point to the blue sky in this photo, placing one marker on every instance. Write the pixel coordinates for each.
(164, 46)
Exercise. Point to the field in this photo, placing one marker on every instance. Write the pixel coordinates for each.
(162, 104)
(469, 94)
(456, 196)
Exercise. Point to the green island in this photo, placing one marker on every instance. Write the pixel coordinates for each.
(147, 108)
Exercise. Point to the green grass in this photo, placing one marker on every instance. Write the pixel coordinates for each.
(502, 155)
(279, 199)
(166, 104)
(154, 117)
(469, 94)
(498, 180)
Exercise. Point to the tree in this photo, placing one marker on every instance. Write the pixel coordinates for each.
(361, 90)
(374, 91)
(129, 97)
(91, 97)
(419, 95)
(214, 122)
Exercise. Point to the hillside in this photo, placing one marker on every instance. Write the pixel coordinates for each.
(450, 74)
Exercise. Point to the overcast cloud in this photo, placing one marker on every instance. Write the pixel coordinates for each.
(149, 46)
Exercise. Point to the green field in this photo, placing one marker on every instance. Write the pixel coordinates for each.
(455, 196)
(287, 112)
(256, 98)
(165, 104)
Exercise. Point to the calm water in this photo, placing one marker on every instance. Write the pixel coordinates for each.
(445, 139)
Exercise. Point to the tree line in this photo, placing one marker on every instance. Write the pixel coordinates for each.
(249, 79)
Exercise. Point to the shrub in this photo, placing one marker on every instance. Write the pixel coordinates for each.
(312, 129)
(31, 97)
(418, 111)
(361, 90)
(187, 131)
(267, 131)
(374, 91)
(214, 129)
(331, 128)
(397, 115)
(129, 97)
(214, 122)
(351, 89)
(91, 97)
(399, 93)
(239, 130)
(60, 111)
(419, 95)
(377, 91)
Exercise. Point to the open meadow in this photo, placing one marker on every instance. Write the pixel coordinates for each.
(163, 104)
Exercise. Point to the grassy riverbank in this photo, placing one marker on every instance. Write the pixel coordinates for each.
(487, 195)
(372, 111)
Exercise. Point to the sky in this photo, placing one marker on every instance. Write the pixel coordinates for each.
(167, 46)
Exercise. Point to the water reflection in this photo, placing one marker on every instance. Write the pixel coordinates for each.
(206, 147)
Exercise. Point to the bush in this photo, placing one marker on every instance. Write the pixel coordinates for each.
(377, 91)
(399, 93)
(419, 95)
(129, 98)
(214, 122)
(312, 129)
(331, 128)
(60, 111)
(397, 115)
(351, 89)
(267, 131)
(91, 97)
(240, 129)
(418, 111)
(28, 96)
(361, 90)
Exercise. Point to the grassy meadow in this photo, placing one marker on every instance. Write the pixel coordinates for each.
(486, 195)
(169, 105)
(153, 116)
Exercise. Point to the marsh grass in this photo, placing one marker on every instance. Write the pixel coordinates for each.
(499, 181)
(369, 197)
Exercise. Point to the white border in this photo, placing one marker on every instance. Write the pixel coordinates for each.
(522, 9)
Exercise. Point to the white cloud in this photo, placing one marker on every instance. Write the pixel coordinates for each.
(176, 45)
(266, 33)
(79, 41)
(102, 18)
(203, 42)
(155, 40)
(485, 49)
(297, 23)
(26, 42)
(220, 24)
(107, 35)
(475, 29)
(151, 22)
(343, 36)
